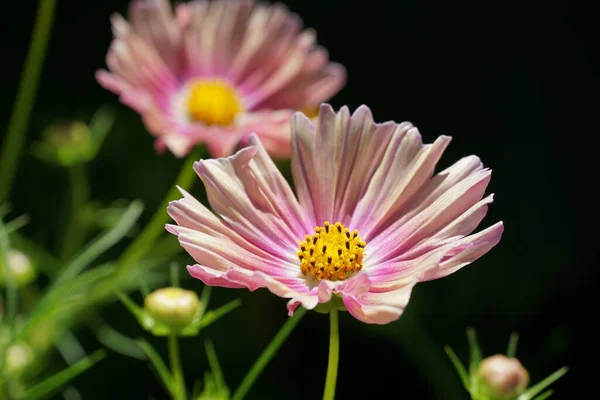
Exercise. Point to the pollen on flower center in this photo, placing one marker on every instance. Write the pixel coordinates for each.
(213, 102)
(332, 252)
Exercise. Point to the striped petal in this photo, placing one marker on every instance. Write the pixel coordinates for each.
(261, 51)
(252, 196)
(375, 178)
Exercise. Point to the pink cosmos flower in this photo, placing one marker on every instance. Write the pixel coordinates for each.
(217, 71)
(368, 221)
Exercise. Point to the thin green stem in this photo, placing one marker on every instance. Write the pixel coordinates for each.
(144, 241)
(424, 355)
(11, 290)
(19, 119)
(512, 345)
(179, 392)
(334, 356)
(80, 195)
(267, 354)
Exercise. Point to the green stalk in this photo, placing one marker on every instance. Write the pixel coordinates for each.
(11, 290)
(144, 241)
(19, 119)
(80, 194)
(176, 370)
(267, 354)
(334, 356)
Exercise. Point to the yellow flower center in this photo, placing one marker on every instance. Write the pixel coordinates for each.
(332, 252)
(310, 112)
(213, 102)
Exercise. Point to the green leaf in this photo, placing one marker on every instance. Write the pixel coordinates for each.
(115, 340)
(43, 260)
(545, 395)
(511, 351)
(146, 274)
(5, 208)
(11, 290)
(48, 386)
(215, 367)
(88, 278)
(214, 315)
(159, 365)
(197, 389)
(539, 387)
(72, 294)
(101, 244)
(204, 299)
(100, 125)
(202, 320)
(15, 224)
(143, 317)
(460, 368)
(69, 348)
(475, 351)
(94, 249)
(166, 247)
(474, 361)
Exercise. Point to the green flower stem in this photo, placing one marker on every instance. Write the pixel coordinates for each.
(80, 195)
(334, 356)
(423, 353)
(19, 119)
(144, 241)
(267, 354)
(178, 387)
(11, 290)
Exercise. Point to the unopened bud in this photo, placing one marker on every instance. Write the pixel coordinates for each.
(18, 358)
(67, 134)
(65, 143)
(173, 307)
(19, 267)
(503, 377)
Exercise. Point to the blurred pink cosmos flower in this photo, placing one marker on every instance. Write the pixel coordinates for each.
(370, 219)
(217, 71)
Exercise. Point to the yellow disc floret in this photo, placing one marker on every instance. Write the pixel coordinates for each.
(213, 102)
(310, 112)
(332, 252)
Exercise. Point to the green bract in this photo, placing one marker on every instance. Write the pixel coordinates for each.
(480, 383)
(163, 317)
(74, 142)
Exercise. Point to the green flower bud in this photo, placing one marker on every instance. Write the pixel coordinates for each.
(20, 269)
(18, 358)
(503, 377)
(66, 143)
(173, 307)
(68, 134)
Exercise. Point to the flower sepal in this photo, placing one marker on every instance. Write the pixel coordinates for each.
(213, 387)
(335, 304)
(175, 311)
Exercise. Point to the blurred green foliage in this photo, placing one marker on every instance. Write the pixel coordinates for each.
(512, 85)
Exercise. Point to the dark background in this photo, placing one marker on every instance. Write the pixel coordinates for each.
(515, 83)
